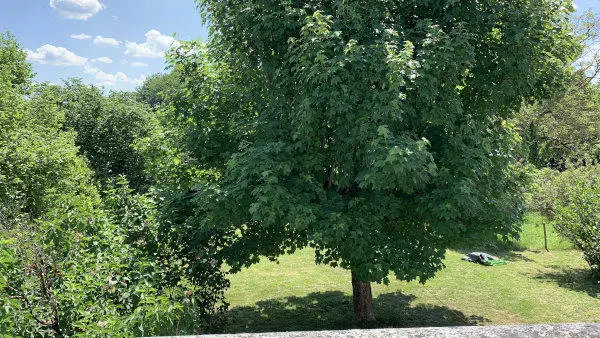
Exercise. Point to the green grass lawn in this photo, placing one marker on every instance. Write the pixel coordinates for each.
(535, 287)
(532, 235)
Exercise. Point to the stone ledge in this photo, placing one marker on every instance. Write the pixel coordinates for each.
(578, 330)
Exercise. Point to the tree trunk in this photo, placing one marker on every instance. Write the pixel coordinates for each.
(363, 302)
(545, 238)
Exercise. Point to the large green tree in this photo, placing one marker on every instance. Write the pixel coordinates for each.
(373, 131)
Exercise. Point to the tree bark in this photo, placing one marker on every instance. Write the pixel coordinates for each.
(363, 302)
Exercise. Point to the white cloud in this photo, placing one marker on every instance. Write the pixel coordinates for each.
(103, 59)
(77, 9)
(124, 62)
(52, 55)
(139, 64)
(100, 40)
(109, 79)
(155, 46)
(90, 70)
(80, 36)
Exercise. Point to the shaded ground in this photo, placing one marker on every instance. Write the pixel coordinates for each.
(332, 310)
(581, 280)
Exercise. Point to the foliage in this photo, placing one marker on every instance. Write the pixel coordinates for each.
(72, 264)
(565, 128)
(543, 191)
(185, 152)
(376, 134)
(577, 212)
(177, 175)
(86, 272)
(158, 90)
(550, 189)
(209, 110)
(571, 199)
(107, 127)
(13, 66)
(38, 161)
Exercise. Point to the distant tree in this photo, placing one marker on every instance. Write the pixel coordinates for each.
(13, 64)
(158, 89)
(375, 132)
(38, 161)
(107, 127)
(564, 129)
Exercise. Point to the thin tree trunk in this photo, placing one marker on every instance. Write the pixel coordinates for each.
(363, 302)
(545, 238)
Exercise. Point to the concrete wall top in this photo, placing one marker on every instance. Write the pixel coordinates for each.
(578, 330)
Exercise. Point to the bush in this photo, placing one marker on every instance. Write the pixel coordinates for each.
(84, 271)
(198, 283)
(542, 192)
(549, 188)
(70, 263)
(572, 200)
(578, 215)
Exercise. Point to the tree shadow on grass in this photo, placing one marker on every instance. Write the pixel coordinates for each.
(580, 279)
(332, 310)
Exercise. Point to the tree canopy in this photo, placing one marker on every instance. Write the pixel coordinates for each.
(106, 128)
(564, 129)
(74, 262)
(376, 133)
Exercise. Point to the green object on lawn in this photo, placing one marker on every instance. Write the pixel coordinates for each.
(483, 259)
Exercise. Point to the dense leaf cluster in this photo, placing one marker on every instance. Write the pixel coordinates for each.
(564, 130)
(376, 133)
(74, 262)
(106, 128)
(572, 200)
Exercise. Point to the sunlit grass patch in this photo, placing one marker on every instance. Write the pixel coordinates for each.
(535, 287)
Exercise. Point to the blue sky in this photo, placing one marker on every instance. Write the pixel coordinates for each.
(584, 5)
(113, 43)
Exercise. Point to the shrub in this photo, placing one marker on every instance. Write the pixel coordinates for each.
(572, 200)
(71, 264)
(84, 271)
(549, 188)
(542, 192)
(578, 214)
(198, 282)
